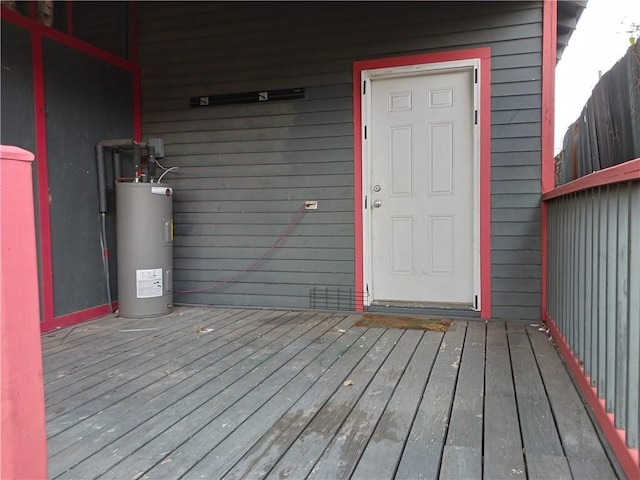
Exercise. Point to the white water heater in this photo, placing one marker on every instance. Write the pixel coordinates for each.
(144, 230)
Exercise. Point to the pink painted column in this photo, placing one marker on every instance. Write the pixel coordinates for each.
(23, 440)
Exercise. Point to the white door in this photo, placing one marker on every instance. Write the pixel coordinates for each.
(421, 188)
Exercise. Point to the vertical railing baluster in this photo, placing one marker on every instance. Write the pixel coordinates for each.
(603, 214)
(633, 409)
(576, 274)
(580, 273)
(622, 299)
(587, 199)
(594, 235)
(611, 288)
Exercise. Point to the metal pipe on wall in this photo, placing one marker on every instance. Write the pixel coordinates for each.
(115, 146)
(117, 164)
(102, 179)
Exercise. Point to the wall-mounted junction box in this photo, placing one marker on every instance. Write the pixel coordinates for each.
(158, 146)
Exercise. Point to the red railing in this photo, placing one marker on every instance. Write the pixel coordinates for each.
(592, 302)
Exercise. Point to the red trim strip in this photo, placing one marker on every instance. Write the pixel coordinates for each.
(627, 457)
(549, 38)
(549, 48)
(485, 185)
(65, 39)
(437, 57)
(43, 177)
(484, 54)
(77, 317)
(618, 173)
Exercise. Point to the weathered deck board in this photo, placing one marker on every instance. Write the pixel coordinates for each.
(346, 447)
(93, 339)
(268, 379)
(542, 446)
(128, 347)
(138, 347)
(503, 444)
(423, 451)
(304, 389)
(262, 395)
(382, 453)
(462, 457)
(303, 454)
(579, 438)
(237, 362)
(260, 459)
(171, 363)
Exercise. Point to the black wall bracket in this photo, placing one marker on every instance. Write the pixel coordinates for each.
(248, 97)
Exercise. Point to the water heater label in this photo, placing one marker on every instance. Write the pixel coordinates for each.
(149, 283)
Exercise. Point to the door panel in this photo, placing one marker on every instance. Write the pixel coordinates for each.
(421, 220)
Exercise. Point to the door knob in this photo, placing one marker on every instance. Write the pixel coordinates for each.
(377, 204)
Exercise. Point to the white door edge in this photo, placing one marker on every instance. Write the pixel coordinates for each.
(404, 71)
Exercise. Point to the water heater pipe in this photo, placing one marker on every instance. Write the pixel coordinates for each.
(102, 169)
(117, 164)
(102, 181)
(114, 145)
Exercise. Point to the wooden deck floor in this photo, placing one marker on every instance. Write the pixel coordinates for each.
(229, 393)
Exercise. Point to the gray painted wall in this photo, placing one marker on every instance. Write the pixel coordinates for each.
(88, 100)
(103, 24)
(17, 88)
(17, 124)
(246, 169)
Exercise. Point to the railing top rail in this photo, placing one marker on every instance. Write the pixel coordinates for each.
(618, 173)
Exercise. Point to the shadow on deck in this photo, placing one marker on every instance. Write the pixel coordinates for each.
(243, 393)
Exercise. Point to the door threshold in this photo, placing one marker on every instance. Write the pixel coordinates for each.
(437, 305)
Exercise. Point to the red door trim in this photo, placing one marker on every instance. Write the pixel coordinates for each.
(484, 54)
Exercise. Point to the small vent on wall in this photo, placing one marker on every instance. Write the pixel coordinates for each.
(335, 298)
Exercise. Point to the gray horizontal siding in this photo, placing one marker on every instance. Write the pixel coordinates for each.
(238, 230)
(246, 169)
(264, 242)
(79, 280)
(515, 159)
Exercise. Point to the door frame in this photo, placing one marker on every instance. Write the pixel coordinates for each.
(363, 73)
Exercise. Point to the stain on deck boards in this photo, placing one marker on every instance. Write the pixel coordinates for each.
(249, 393)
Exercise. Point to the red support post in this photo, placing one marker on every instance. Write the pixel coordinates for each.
(549, 56)
(23, 432)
